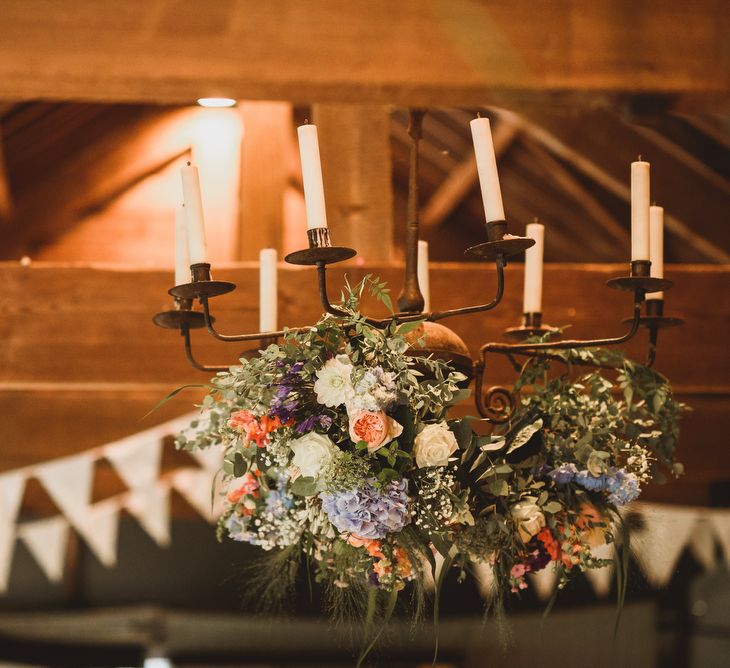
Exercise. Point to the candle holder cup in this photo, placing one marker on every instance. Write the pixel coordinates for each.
(202, 284)
(182, 315)
(497, 245)
(531, 326)
(639, 280)
(320, 251)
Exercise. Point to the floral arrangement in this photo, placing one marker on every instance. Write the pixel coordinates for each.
(340, 451)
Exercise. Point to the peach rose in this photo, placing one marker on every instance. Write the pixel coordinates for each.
(375, 428)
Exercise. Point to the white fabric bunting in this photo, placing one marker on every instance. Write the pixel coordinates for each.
(702, 544)
(151, 508)
(720, 520)
(12, 486)
(99, 527)
(46, 540)
(544, 582)
(7, 545)
(658, 545)
(210, 459)
(601, 578)
(136, 461)
(196, 486)
(68, 481)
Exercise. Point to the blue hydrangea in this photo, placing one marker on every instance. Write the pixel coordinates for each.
(623, 487)
(368, 511)
(594, 483)
(564, 473)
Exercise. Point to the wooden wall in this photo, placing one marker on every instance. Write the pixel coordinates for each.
(81, 362)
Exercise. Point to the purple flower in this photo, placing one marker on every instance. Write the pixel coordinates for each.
(564, 473)
(368, 511)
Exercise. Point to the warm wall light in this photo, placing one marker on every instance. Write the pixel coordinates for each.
(216, 102)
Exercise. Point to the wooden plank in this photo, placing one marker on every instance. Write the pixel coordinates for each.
(267, 139)
(355, 149)
(93, 325)
(460, 52)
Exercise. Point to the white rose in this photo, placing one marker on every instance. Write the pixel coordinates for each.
(334, 382)
(434, 445)
(529, 519)
(313, 452)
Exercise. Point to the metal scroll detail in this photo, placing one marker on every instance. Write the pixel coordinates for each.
(497, 405)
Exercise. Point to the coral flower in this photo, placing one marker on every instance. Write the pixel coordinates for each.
(552, 547)
(404, 563)
(372, 546)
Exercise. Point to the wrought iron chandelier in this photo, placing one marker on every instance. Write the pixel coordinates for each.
(496, 403)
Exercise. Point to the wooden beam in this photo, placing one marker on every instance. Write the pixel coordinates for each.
(580, 195)
(267, 128)
(557, 134)
(6, 200)
(356, 168)
(456, 53)
(100, 155)
(463, 178)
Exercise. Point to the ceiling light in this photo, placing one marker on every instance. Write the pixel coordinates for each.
(216, 102)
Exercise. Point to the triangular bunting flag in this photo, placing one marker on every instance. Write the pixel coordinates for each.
(702, 544)
(46, 540)
(720, 520)
(136, 460)
(98, 527)
(196, 486)
(151, 508)
(7, 545)
(600, 578)
(485, 577)
(658, 545)
(544, 582)
(12, 486)
(68, 481)
(210, 458)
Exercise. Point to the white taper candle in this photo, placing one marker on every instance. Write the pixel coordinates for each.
(532, 295)
(487, 168)
(312, 176)
(656, 246)
(182, 255)
(268, 295)
(194, 214)
(424, 282)
(639, 210)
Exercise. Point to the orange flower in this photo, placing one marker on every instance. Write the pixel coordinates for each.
(382, 567)
(552, 547)
(404, 563)
(371, 545)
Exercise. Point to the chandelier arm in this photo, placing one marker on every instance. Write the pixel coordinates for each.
(185, 331)
(529, 348)
(258, 336)
(440, 315)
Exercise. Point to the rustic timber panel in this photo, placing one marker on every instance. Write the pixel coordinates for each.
(81, 362)
(415, 52)
(89, 325)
